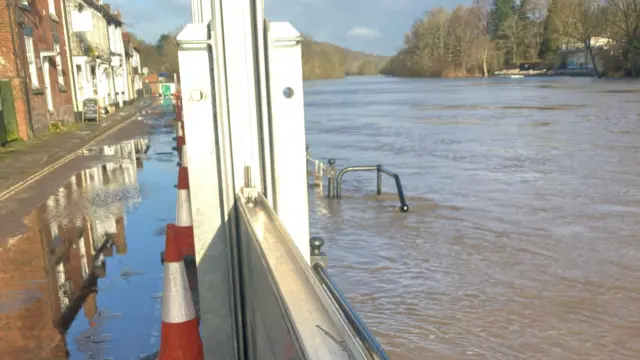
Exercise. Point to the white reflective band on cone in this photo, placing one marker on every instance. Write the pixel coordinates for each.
(177, 305)
(183, 210)
(183, 158)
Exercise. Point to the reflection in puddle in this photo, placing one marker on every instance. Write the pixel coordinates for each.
(51, 272)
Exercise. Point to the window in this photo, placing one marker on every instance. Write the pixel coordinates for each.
(31, 58)
(80, 76)
(52, 8)
(56, 47)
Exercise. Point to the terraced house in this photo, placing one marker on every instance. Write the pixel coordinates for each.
(134, 66)
(97, 54)
(34, 81)
(44, 81)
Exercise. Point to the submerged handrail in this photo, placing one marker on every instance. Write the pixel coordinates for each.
(362, 331)
(337, 190)
(318, 169)
(319, 263)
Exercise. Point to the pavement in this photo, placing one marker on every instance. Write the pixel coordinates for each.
(24, 162)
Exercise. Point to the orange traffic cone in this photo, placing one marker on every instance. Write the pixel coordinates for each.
(180, 138)
(179, 130)
(184, 222)
(180, 336)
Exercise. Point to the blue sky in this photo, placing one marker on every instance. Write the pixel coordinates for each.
(375, 26)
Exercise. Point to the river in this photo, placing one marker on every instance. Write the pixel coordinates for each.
(523, 239)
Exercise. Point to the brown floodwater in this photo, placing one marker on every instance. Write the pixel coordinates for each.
(523, 239)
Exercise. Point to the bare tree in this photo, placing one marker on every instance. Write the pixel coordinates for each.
(484, 46)
(462, 34)
(511, 35)
(582, 21)
(623, 17)
(537, 11)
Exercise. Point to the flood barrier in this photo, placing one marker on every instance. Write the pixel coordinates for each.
(292, 313)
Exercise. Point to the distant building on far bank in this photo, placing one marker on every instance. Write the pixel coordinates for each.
(577, 56)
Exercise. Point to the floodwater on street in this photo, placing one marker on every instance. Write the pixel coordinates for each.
(85, 280)
(523, 238)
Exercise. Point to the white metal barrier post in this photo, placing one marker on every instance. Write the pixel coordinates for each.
(208, 184)
(287, 125)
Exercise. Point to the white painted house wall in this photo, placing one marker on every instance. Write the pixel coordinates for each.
(89, 30)
(118, 65)
(135, 63)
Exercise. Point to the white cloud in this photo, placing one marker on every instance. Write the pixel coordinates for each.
(363, 32)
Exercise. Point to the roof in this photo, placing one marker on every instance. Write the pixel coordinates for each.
(105, 10)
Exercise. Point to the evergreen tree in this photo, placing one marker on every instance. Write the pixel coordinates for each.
(548, 46)
(523, 10)
(499, 13)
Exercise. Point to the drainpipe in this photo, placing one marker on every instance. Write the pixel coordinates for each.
(16, 56)
(72, 70)
(111, 67)
(113, 83)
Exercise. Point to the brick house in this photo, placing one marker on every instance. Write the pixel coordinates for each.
(33, 65)
(153, 81)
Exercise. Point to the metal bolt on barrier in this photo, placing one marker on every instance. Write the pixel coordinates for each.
(317, 255)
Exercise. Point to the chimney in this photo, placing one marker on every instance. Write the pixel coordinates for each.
(117, 14)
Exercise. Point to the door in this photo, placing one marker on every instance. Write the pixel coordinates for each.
(47, 83)
(8, 118)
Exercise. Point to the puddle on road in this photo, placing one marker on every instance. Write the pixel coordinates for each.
(83, 281)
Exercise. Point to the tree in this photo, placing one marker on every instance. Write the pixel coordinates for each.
(623, 18)
(511, 35)
(462, 33)
(167, 47)
(582, 22)
(499, 12)
(484, 47)
(548, 44)
(442, 43)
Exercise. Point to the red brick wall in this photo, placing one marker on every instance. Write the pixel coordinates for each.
(8, 70)
(43, 28)
(62, 99)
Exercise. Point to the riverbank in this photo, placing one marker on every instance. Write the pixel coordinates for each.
(555, 72)
(513, 73)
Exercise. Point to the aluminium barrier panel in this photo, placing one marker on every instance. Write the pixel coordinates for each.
(287, 312)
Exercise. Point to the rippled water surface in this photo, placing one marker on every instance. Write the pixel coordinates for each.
(523, 239)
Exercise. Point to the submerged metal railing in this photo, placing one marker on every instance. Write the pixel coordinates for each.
(335, 181)
(319, 263)
(318, 169)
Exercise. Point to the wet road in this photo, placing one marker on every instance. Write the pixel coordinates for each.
(83, 279)
(523, 239)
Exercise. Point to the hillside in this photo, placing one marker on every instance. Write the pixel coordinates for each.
(320, 60)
